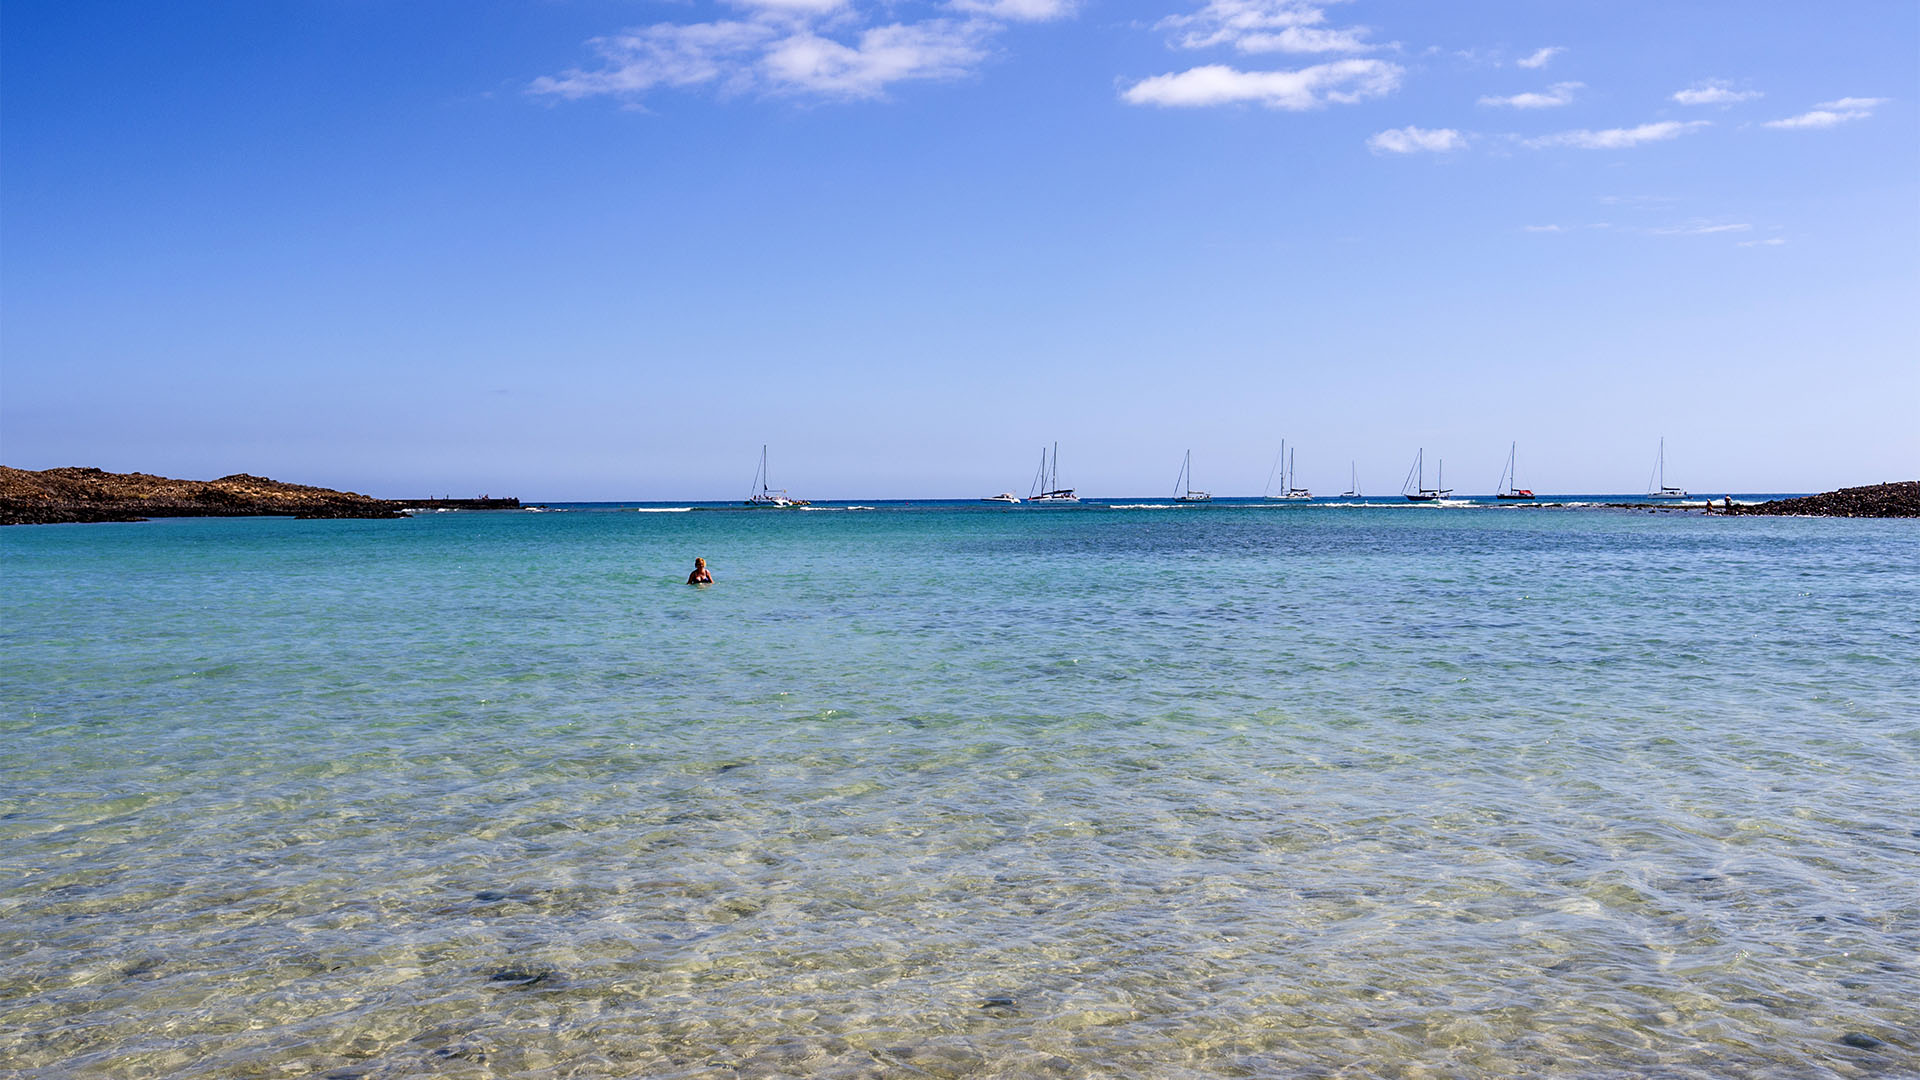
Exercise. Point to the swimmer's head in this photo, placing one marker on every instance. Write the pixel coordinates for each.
(699, 563)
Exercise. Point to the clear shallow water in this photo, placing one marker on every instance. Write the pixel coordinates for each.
(962, 791)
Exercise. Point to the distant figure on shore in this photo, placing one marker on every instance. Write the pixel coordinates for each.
(699, 575)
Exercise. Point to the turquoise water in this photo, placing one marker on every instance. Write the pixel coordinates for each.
(962, 791)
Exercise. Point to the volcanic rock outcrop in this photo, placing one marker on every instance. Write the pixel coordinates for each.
(1876, 500)
(54, 496)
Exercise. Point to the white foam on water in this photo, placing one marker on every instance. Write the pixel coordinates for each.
(661, 509)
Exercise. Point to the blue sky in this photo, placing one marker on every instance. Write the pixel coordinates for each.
(605, 250)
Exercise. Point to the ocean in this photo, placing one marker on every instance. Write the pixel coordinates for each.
(959, 790)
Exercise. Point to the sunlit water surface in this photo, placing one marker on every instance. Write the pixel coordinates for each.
(962, 792)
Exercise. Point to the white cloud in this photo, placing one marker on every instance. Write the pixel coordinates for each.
(1265, 26)
(1341, 81)
(1771, 241)
(791, 7)
(1018, 10)
(1556, 95)
(937, 49)
(1540, 57)
(1868, 103)
(1619, 138)
(1413, 140)
(1697, 228)
(1547, 228)
(667, 54)
(1713, 92)
(821, 48)
(1831, 113)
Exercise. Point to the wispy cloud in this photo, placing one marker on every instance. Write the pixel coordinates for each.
(1831, 113)
(816, 48)
(1713, 92)
(1771, 241)
(1265, 26)
(1699, 228)
(1540, 57)
(1018, 10)
(1637, 200)
(936, 49)
(666, 54)
(1340, 81)
(1618, 138)
(1556, 95)
(1413, 140)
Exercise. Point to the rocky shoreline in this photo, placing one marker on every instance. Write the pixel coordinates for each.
(73, 495)
(1896, 500)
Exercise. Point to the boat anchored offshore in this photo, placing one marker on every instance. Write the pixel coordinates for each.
(762, 495)
(1353, 482)
(1007, 497)
(1046, 489)
(1657, 483)
(1287, 488)
(1183, 484)
(1420, 492)
(1509, 477)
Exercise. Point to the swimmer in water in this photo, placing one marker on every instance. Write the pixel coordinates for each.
(699, 575)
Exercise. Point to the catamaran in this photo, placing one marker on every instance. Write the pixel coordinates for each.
(1183, 484)
(1420, 491)
(1046, 488)
(1287, 488)
(1657, 484)
(765, 495)
(1509, 477)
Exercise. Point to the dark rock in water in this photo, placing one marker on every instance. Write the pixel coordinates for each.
(997, 1003)
(489, 896)
(731, 765)
(1877, 500)
(519, 977)
(1860, 1040)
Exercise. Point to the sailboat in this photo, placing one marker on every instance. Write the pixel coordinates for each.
(1183, 484)
(1046, 488)
(1294, 491)
(1509, 477)
(1657, 484)
(765, 495)
(1421, 492)
(1287, 490)
(1353, 482)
